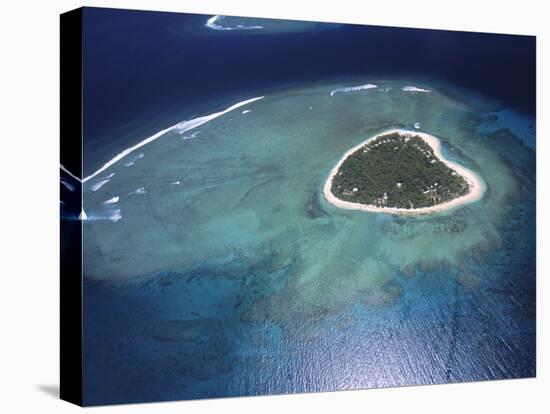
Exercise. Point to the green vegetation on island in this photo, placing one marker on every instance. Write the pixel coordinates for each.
(399, 171)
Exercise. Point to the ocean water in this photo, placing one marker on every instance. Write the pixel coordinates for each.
(213, 266)
(148, 70)
(220, 270)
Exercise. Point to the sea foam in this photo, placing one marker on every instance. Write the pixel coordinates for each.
(133, 160)
(179, 127)
(214, 24)
(63, 168)
(115, 215)
(414, 89)
(99, 184)
(140, 190)
(102, 181)
(69, 186)
(113, 200)
(188, 137)
(353, 89)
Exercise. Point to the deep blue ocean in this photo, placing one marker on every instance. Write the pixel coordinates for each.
(228, 325)
(145, 71)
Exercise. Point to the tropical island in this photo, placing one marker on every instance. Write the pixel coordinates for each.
(400, 172)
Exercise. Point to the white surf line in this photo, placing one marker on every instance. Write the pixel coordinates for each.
(68, 172)
(353, 88)
(415, 89)
(183, 126)
(211, 24)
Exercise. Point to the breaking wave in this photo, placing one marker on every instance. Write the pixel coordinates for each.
(113, 200)
(214, 23)
(179, 127)
(414, 89)
(353, 89)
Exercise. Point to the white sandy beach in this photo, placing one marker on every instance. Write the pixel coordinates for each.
(477, 187)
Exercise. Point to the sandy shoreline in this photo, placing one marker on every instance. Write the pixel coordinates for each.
(477, 187)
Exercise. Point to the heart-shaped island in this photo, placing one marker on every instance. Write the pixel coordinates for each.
(400, 172)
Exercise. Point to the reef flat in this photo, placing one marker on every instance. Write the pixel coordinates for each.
(213, 257)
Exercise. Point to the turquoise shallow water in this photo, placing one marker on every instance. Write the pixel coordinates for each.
(214, 267)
